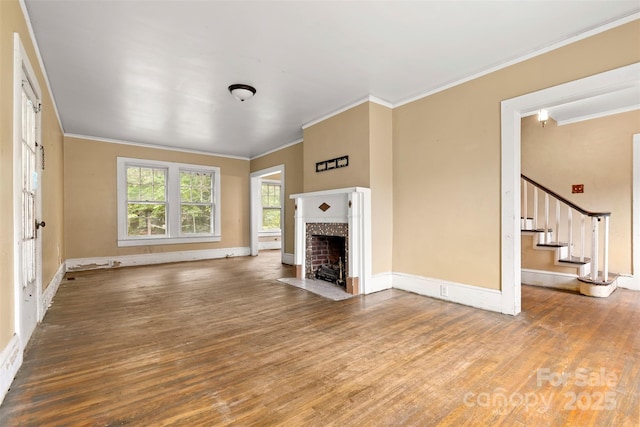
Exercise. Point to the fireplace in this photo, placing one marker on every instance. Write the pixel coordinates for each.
(333, 237)
(327, 252)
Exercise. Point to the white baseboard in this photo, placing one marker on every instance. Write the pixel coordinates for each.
(474, 296)
(51, 290)
(629, 282)
(288, 259)
(380, 282)
(10, 362)
(549, 279)
(265, 246)
(80, 264)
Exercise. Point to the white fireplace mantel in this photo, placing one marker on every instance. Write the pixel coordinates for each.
(344, 205)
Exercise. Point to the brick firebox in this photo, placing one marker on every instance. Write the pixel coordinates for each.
(320, 237)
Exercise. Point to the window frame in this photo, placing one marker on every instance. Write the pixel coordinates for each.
(270, 232)
(174, 232)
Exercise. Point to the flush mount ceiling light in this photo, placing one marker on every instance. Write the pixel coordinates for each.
(242, 92)
(543, 116)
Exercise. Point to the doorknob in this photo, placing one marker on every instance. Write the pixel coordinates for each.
(40, 224)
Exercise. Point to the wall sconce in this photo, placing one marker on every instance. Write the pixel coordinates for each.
(242, 92)
(543, 116)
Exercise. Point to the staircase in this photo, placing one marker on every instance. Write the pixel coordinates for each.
(552, 229)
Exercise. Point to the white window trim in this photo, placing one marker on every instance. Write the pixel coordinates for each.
(174, 234)
(270, 233)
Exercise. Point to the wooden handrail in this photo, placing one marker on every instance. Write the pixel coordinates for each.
(563, 200)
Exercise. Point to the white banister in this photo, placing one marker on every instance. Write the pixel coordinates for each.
(570, 227)
(557, 231)
(546, 219)
(594, 248)
(525, 199)
(535, 208)
(583, 233)
(605, 261)
(578, 248)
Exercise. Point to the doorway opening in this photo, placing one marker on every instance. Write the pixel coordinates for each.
(512, 111)
(267, 210)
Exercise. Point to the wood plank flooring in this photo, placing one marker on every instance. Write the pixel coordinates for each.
(222, 343)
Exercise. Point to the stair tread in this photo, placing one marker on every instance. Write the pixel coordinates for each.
(535, 230)
(553, 245)
(575, 260)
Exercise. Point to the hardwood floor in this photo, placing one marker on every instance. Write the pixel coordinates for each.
(222, 343)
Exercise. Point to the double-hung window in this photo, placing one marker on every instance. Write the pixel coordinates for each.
(146, 201)
(196, 202)
(166, 202)
(271, 206)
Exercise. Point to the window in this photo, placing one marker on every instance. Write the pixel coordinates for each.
(146, 201)
(271, 208)
(164, 202)
(196, 202)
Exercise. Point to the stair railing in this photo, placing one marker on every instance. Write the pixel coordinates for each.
(596, 218)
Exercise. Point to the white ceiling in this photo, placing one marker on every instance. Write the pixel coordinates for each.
(617, 100)
(157, 72)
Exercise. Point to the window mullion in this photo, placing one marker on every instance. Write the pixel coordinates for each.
(173, 201)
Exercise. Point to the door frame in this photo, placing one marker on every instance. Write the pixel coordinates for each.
(22, 67)
(256, 206)
(512, 111)
(635, 214)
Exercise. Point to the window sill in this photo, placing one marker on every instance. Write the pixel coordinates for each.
(167, 241)
(272, 233)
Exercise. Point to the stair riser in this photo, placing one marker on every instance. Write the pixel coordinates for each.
(560, 253)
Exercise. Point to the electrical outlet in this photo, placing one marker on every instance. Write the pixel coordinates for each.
(577, 188)
(444, 291)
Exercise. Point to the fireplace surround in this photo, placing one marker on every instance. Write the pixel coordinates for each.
(344, 212)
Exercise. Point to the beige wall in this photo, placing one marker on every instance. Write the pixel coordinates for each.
(381, 184)
(446, 160)
(52, 195)
(90, 198)
(291, 158)
(596, 153)
(364, 133)
(345, 134)
(12, 20)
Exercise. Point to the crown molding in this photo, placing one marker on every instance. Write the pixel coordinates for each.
(368, 98)
(554, 46)
(282, 147)
(154, 146)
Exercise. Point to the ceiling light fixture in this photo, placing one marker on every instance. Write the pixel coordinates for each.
(543, 116)
(242, 92)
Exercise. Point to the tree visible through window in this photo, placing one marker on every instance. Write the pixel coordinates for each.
(146, 201)
(196, 203)
(271, 206)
